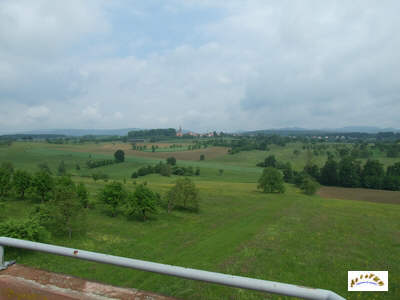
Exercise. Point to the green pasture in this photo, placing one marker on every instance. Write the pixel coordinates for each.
(286, 154)
(292, 238)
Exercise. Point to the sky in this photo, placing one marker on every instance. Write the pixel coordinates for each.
(202, 64)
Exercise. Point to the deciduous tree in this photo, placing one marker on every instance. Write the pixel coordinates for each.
(143, 201)
(62, 170)
(22, 181)
(171, 161)
(119, 156)
(83, 194)
(329, 173)
(111, 196)
(183, 194)
(66, 209)
(349, 172)
(42, 184)
(372, 174)
(271, 181)
(5, 179)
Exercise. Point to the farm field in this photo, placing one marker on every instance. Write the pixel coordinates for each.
(293, 238)
(359, 194)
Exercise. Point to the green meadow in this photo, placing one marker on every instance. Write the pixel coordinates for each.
(292, 238)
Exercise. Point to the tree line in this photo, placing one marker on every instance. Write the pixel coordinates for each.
(61, 204)
(347, 172)
(166, 169)
(114, 199)
(148, 133)
(60, 208)
(272, 180)
(119, 157)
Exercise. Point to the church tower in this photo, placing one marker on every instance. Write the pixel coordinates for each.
(179, 133)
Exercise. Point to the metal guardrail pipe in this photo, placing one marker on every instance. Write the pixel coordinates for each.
(219, 278)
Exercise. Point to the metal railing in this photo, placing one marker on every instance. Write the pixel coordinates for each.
(213, 277)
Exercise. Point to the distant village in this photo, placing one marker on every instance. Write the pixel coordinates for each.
(180, 133)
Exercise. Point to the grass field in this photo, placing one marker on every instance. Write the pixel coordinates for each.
(294, 238)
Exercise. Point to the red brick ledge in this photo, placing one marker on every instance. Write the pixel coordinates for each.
(24, 283)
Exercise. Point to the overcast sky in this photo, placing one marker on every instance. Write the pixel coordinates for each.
(202, 64)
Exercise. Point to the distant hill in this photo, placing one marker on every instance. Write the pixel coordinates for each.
(82, 132)
(366, 129)
(280, 131)
(298, 130)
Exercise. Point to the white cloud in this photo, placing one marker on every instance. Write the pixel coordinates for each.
(37, 112)
(92, 112)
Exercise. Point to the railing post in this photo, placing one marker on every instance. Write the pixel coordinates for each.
(1, 255)
(4, 264)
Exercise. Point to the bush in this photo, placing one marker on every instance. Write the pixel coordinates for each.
(91, 164)
(165, 170)
(42, 215)
(171, 161)
(143, 171)
(309, 186)
(178, 171)
(97, 176)
(28, 229)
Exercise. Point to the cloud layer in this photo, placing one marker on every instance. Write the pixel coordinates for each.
(204, 65)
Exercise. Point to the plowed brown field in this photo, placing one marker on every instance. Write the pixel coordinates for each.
(110, 148)
(359, 194)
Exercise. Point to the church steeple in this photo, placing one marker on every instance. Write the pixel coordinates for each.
(179, 133)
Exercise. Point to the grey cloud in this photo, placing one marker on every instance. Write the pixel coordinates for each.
(337, 64)
(263, 64)
(44, 29)
(34, 83)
